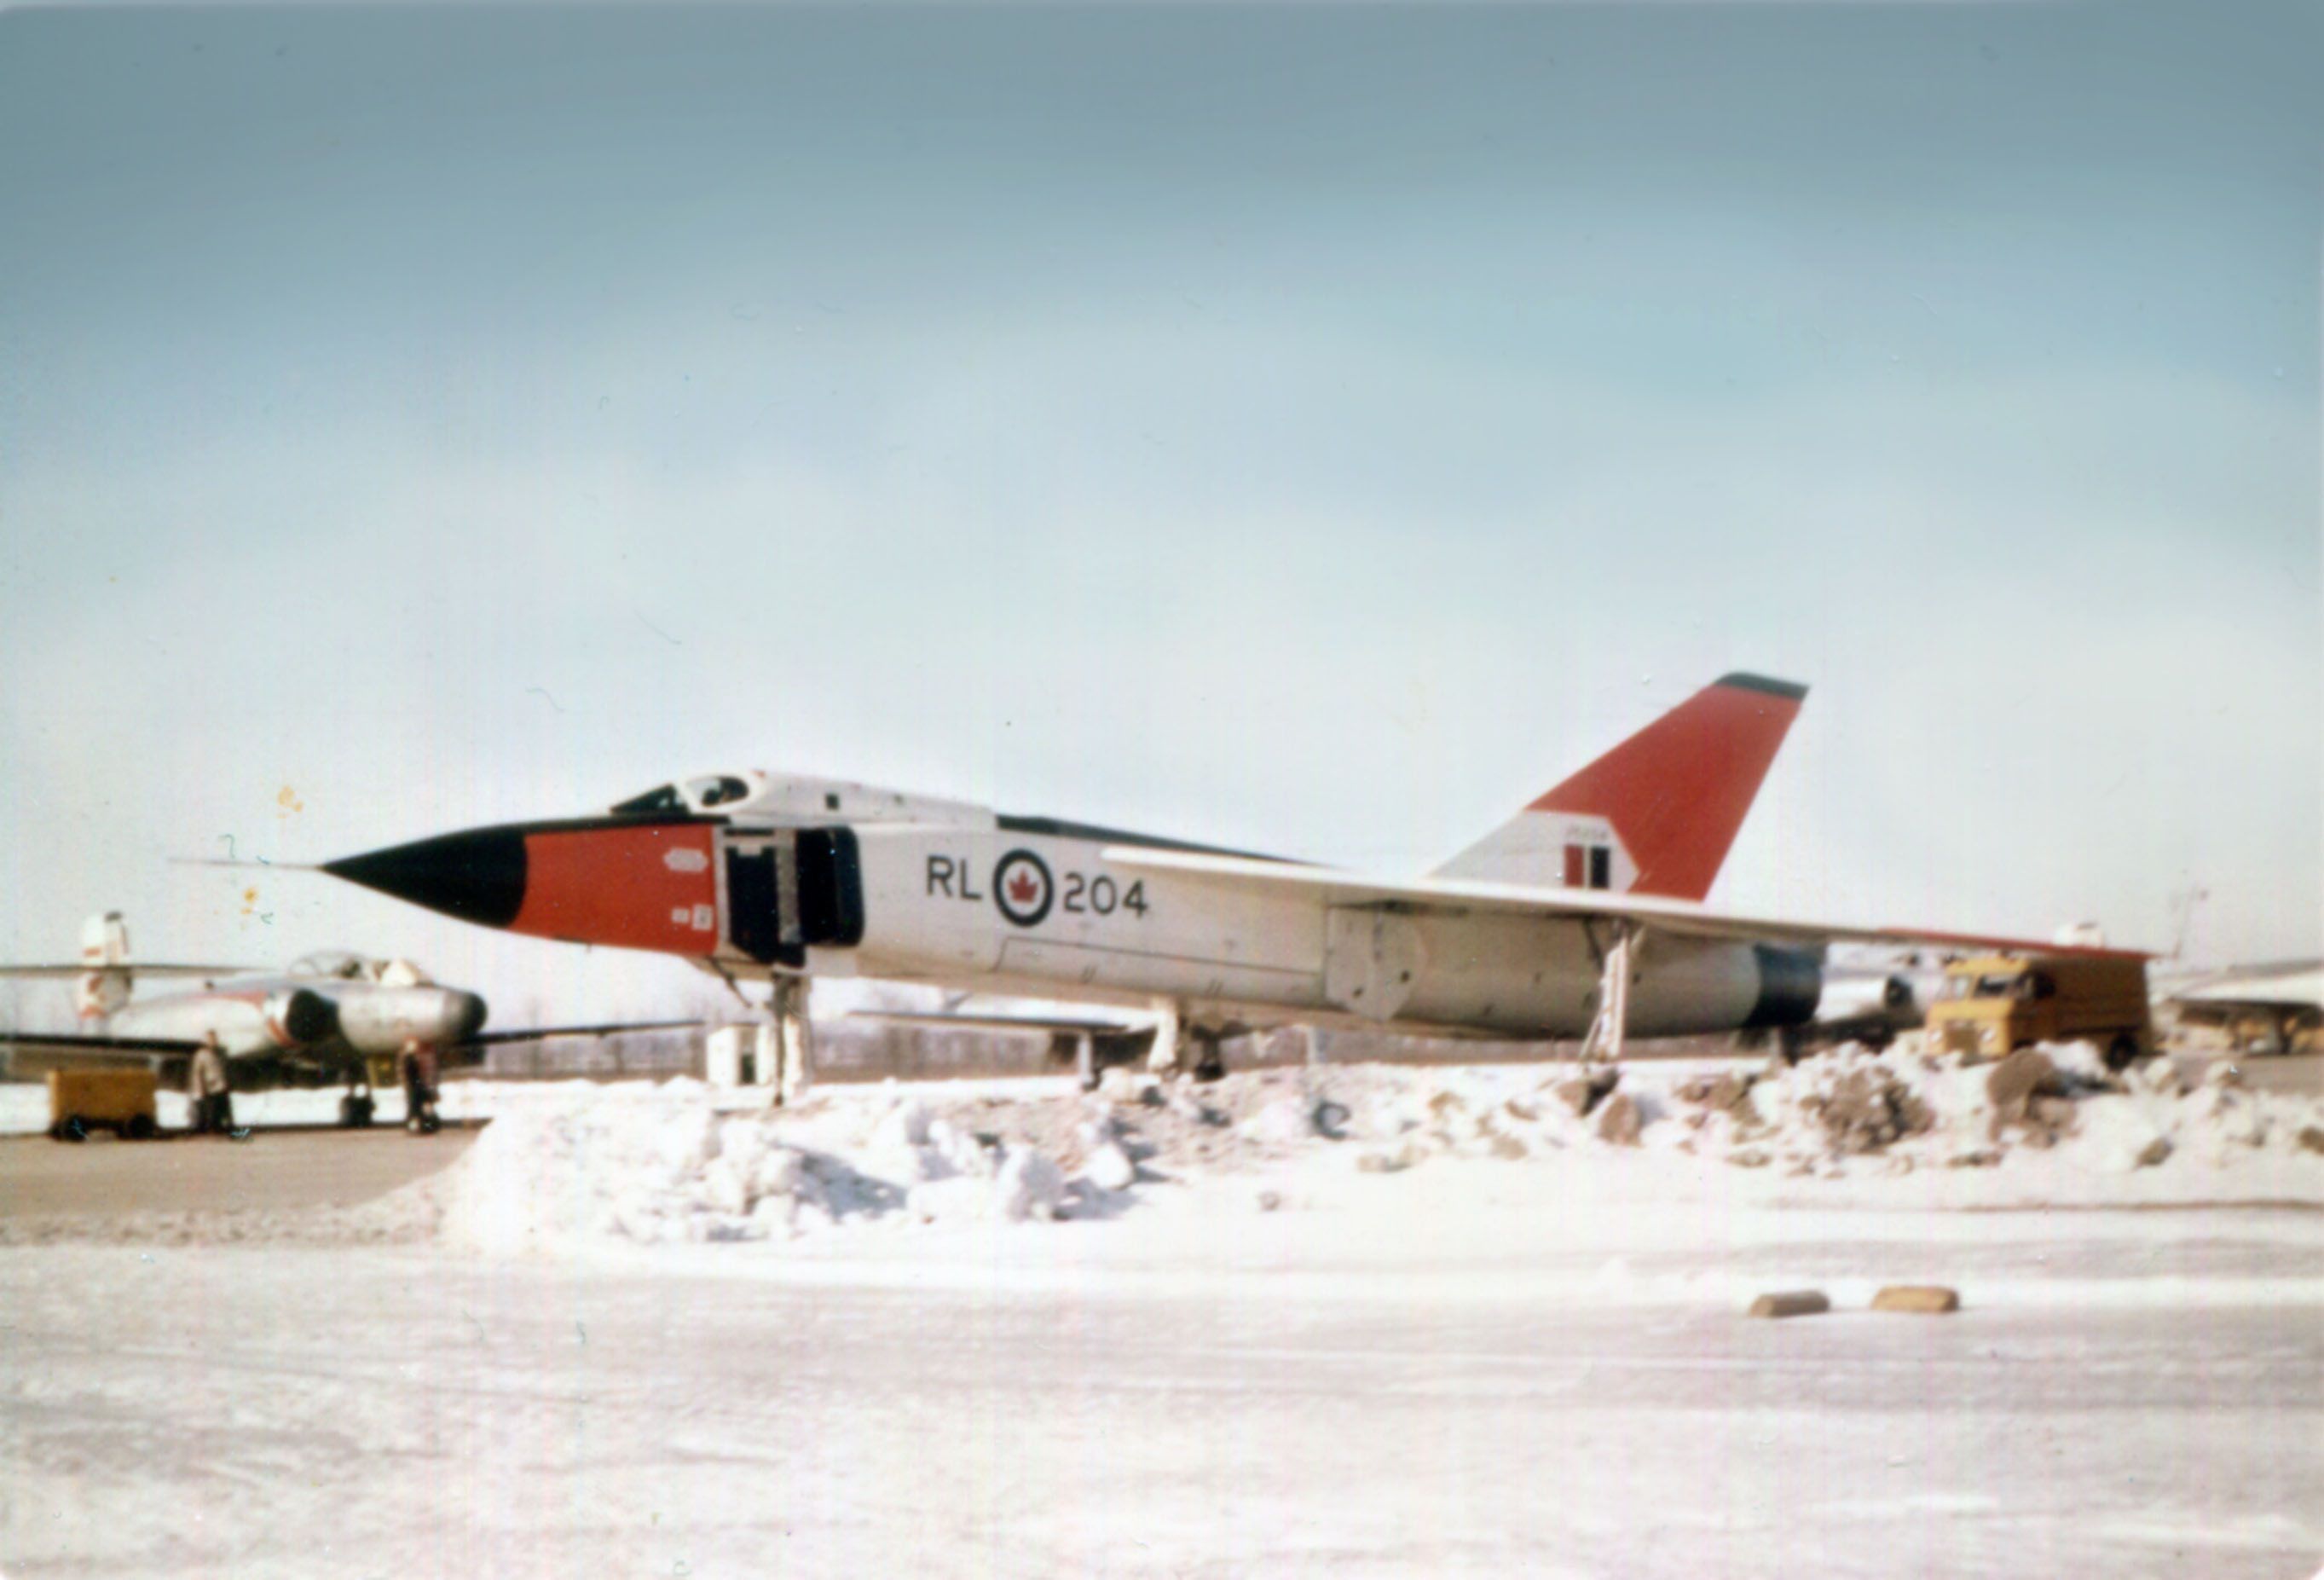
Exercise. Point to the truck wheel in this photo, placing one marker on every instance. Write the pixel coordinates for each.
(140, 1128)
(2122, 1053)
(71, 1128)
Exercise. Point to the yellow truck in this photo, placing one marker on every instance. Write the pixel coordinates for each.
(120, 1101)
(1991, 1004)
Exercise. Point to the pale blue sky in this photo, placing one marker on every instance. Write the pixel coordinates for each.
(1309, 429)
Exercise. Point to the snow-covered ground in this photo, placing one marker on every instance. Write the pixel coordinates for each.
(1354, 1321)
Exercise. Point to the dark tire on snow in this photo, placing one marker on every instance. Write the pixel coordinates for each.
(2122, 1053)
(71, 1128)
(140, 1128)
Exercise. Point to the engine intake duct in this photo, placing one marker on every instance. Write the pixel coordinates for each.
(299, 1016)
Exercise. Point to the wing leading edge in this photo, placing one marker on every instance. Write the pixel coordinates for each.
(127, 968)
(115, 1049)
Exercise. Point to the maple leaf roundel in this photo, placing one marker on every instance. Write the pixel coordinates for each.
(1022, 887)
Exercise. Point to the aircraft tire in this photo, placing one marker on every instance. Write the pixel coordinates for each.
(355, 1113)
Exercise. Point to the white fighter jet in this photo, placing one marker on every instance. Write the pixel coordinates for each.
(323, 1022)
(1582, 916)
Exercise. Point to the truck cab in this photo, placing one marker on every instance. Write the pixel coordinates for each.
(1992, 1005)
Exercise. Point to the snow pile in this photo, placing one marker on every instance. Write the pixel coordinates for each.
(2053, 1105)
(2054, 1111)
(667, 1164)
(679, 1163)
(953, 1173)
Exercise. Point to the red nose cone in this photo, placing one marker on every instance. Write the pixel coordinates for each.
(632, 884)
(636, 886)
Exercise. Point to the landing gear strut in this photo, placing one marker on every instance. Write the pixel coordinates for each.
(1085, 1046)
(794, 1039)
(357, 1108)
(1171, 1035)
(1210, 1063)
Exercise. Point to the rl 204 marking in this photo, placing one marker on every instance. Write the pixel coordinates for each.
(1024, 890)
(1102, 896)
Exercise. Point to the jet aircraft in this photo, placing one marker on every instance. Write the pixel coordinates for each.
(322, 1022)
(2273, 1008)
(1582, 916)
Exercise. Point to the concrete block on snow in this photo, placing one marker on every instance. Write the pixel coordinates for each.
(1929, 1299)
(1792, 1303)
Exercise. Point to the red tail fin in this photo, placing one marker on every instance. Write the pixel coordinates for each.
(1657, 814)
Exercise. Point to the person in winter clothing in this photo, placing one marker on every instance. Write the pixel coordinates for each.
(207, 1086)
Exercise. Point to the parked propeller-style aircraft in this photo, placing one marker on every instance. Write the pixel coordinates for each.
(320, 1023)
(1583, 914)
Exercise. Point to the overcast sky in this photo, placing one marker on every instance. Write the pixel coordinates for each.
(1306, 429)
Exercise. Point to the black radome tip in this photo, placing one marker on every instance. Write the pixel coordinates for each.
(477, 875)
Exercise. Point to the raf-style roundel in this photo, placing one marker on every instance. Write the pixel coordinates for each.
(1022, 887)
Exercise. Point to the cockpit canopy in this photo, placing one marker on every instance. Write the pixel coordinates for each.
(342, 965)
(795, 799)
(703, 794)
(336, 963)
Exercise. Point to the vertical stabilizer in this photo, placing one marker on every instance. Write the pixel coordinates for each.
(1658, 814)
(105, 986)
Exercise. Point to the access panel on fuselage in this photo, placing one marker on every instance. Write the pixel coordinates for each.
(791, 889)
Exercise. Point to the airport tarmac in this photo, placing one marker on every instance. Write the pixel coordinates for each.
(278, 1170)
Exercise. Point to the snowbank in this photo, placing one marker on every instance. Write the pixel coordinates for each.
(675, 1163)
(2048, 1126)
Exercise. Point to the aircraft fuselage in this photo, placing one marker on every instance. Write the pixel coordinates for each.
(1037, 908)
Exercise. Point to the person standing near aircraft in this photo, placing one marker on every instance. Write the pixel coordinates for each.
(419, 1062)
(206, 1086)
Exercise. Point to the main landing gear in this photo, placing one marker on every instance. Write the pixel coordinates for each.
(357, 1107)
(1171, 1054)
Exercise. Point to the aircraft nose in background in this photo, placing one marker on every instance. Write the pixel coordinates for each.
(476, 875)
